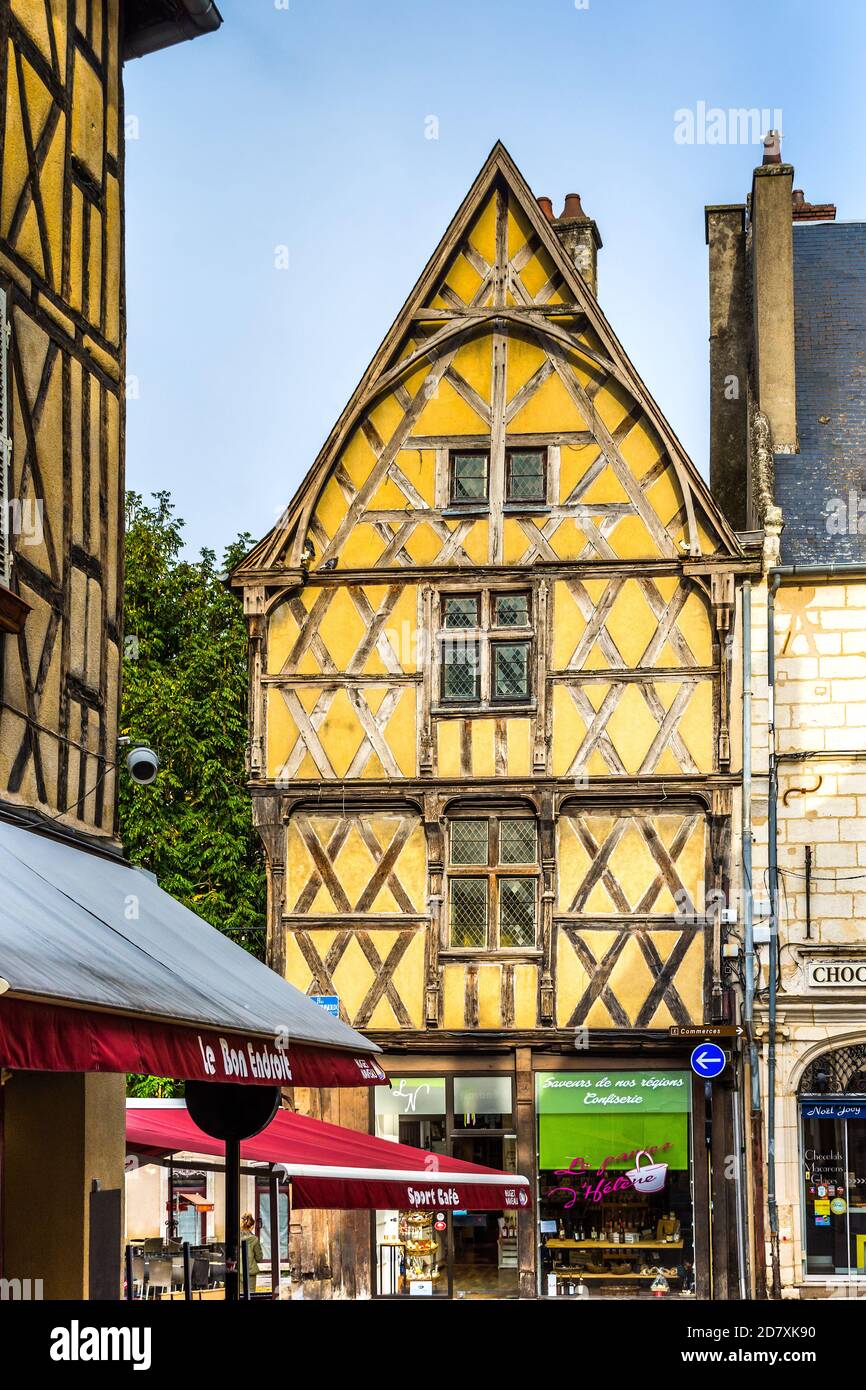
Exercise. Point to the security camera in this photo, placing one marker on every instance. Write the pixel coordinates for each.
(142, 764)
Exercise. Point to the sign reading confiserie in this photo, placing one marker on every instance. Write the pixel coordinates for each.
(614, 1092)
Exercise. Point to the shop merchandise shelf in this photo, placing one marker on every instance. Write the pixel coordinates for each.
(577, 1275)
(555, 1243)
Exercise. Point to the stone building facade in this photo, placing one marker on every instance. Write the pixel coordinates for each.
(786, 454)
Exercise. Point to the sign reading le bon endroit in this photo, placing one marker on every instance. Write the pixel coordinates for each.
(615, 1092)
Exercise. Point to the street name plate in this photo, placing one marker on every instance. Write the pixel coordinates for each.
(707, 1030)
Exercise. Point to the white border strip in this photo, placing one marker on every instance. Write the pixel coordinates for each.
(418, 1179)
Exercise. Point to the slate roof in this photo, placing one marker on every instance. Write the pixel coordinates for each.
(816, 488)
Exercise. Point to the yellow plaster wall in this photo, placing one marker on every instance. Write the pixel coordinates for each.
(614, 495)
(63, 265)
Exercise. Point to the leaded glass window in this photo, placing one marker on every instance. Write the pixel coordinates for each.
(469, 841)
(461, 671)
(517, 841)
(516, 912)
(469, 477)
(460, 610)
(497, 908)
(469, 911)
(525, 475)
(491, 665)
(511, 671)
(511, 610)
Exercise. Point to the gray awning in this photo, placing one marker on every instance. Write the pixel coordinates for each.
(79, 928)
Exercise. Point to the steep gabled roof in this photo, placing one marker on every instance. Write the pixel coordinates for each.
(280, 549)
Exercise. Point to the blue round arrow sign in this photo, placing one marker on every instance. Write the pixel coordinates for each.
(708, 1060)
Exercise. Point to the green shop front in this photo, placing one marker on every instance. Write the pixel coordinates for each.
(616, 1183)
(622, 1152)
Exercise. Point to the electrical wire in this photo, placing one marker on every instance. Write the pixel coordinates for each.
(9, 813)
(822, 878)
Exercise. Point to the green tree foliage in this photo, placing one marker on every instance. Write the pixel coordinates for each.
(185, 694)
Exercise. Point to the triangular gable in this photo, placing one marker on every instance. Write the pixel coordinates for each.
(499, 268)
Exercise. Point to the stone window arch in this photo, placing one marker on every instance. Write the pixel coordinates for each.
(839, 1072)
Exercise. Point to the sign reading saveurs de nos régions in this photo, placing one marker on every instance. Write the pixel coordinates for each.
(617, 1092)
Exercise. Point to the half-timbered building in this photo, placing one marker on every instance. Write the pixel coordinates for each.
(62, 408)
(490, 762)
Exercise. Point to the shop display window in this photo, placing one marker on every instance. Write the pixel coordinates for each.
(615, 1185)
(833, 1150)
(832, 1104)
(453, 1254)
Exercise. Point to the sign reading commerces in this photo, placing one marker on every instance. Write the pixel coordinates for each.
(614, 1092)
(707, 1030)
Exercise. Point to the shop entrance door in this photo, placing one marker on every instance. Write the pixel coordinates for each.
(484, 1243)
(449, 1254)
(834, 1187)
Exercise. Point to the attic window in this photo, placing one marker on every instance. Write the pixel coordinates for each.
(469, 474)
(525, 475)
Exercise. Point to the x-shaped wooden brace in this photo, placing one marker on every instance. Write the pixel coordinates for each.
(309, 637)
(322, 971)
(372, 724)
(599, 972)
(600, 856)
(324, 859)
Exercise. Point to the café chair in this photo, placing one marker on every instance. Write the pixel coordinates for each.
(139, 1276)
(159, 1275)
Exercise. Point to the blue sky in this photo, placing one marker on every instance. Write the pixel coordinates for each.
(302, 124)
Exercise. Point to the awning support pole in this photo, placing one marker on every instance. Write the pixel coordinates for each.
(233, 1216)
(170, 1224)
(274, 1186)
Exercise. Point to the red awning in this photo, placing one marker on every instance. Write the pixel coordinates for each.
(48, 1037)
(338, 1169)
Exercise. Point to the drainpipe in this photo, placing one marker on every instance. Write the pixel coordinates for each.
(774, 579)
(748, 894)
(756, 1120)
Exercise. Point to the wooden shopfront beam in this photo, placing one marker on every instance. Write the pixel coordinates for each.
(526, 1164)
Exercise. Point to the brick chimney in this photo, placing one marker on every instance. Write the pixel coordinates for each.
(580, 239)
(801, 211)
